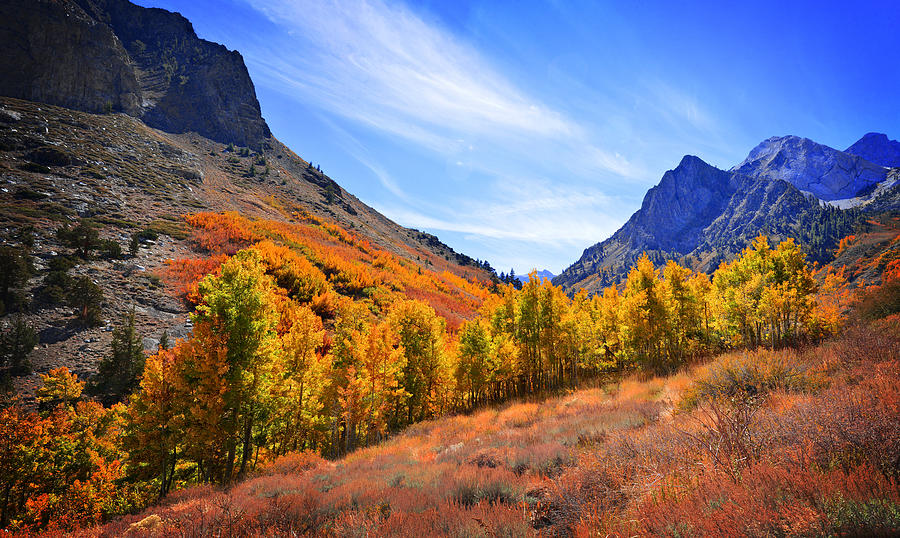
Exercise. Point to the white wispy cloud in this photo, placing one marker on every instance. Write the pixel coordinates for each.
(537, 212)
(384, 66)
(381, 65)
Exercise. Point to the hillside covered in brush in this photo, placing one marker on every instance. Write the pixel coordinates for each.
(305, 338)
(203, 334)
(764, 443)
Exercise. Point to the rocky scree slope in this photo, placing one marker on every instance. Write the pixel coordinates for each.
(115, 56)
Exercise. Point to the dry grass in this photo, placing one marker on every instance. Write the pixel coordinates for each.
(772, 444)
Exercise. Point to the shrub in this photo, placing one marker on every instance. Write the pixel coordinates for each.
(870, 343)
(775, 501)
(880, 302)
(749, 375)
(83, 237)
(727, 434)
(592, 487)
(471, 486)
(61, 263)
(293, 463)
(857, 424)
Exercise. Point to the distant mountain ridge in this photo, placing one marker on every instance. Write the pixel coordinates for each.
(541, 274)
(115, 56)
(877, 148)
(702, 215)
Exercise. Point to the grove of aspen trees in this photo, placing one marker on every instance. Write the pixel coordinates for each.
(307, 338)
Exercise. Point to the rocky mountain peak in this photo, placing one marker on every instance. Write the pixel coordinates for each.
(827, 173)
(877, 148)
(702, 215)
(115, 56)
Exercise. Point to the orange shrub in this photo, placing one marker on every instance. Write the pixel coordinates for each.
(221, 233)
(184, 275)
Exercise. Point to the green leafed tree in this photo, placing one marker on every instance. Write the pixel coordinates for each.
(238, 306)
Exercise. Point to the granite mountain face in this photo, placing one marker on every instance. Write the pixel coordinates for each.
(786, 187)
(827, 173)
(114, 56)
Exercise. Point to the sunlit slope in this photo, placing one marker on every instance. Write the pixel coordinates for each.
(757, 444)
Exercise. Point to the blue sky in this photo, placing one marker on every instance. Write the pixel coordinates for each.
(524, 132)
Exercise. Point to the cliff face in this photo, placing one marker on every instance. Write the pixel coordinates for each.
(675, 212)
(111, 55)
(54, 52)
(671, 222)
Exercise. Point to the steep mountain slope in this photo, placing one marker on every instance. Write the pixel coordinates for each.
(701, 215)
(697, 214)
(111, 55)
(138, 173)
(59, 166)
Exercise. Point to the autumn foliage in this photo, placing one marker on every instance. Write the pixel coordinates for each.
(309, 342)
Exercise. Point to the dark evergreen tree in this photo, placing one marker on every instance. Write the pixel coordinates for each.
(26, 237)
(494, 283)
(15, 268)
(86, 297)
(56, 285)
(119, 373)
(15, 345)
(84, 238)
(111, 249)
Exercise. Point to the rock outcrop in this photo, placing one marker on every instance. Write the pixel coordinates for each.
(114, 56)
(877, 148)
(827, 173)
(54, 52)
